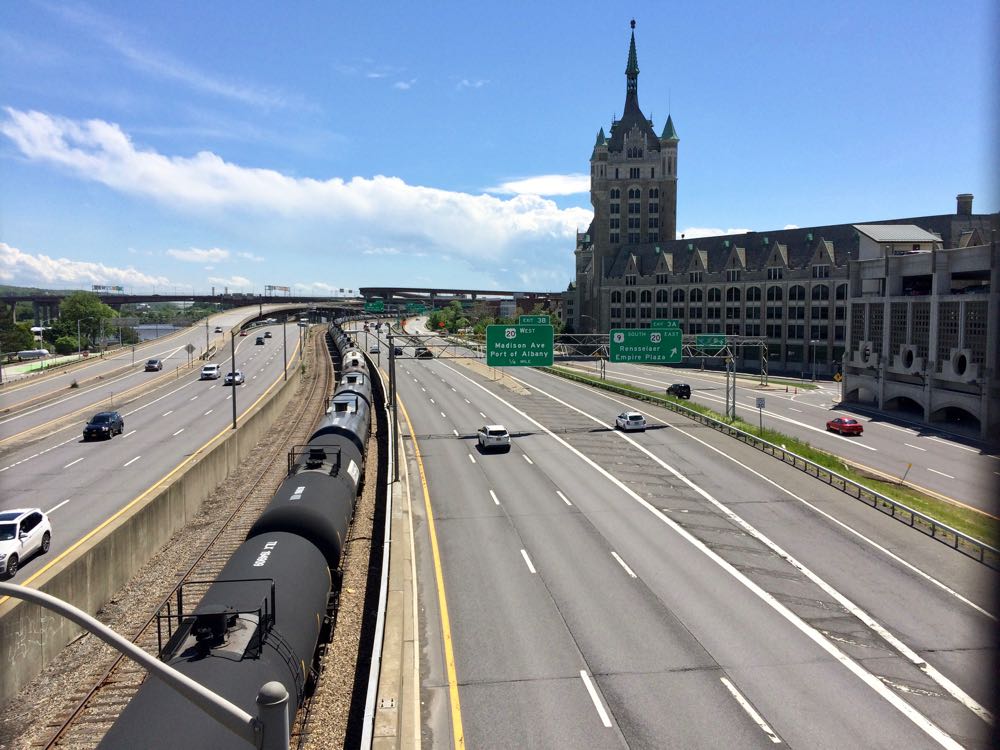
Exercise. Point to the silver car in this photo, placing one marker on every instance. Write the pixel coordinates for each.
(630, 420)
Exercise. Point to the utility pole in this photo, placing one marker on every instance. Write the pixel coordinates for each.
(284, 341)
(206, 339)
(232, 349)
(393, 432)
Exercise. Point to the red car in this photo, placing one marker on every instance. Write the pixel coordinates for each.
(845, 426)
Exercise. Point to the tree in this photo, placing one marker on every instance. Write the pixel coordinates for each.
(87, 309)
(14, 336)
(66, 345)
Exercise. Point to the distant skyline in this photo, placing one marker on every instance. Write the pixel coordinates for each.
(179, 146)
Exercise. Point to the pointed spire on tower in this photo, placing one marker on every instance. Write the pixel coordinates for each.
(632, 77)
(632, 71)
(601, 138)
(669, 133)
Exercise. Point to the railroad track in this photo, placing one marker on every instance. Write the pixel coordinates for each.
(89, 719)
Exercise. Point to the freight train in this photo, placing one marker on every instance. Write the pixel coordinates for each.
(269, 610)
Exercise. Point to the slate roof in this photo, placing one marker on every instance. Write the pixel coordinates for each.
(896, 233)
(798, 247)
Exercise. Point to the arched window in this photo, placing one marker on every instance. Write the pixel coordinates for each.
(629, 298)
(797, 293)
(615, 194)
(841, 291)
(616, 298)
(662, 296)
(775, 294)
(696, 295)
(820, 292)
(753, 294)
(714, 294)
(678, 295)
(733, 294)
(646, 296)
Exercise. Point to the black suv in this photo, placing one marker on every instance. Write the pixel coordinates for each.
(680, 390)
(422, 352)
(104, 424)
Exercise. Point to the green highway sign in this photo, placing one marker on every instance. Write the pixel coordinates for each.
(662, 345)
(710, 341)
(519, 345)
(415, 307)
(665, 323)
(530, 320)
(376, 305)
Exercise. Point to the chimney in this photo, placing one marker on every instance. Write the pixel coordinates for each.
(964, 204)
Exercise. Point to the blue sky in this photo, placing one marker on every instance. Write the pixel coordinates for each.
(184, 145)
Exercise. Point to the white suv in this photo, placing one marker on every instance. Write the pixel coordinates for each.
(210, 372)
(493, 436)
(23, 532)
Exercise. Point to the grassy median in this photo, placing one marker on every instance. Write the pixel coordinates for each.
(969, 521)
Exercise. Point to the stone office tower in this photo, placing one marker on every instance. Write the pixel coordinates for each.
(633, 189)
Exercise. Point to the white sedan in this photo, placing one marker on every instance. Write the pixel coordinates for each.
(630, 420)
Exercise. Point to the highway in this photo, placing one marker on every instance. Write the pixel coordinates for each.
(81, 484)
(955, 467)
(671, 588)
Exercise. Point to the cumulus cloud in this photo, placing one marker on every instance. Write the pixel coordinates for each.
(465, 83)
(695, 232)
(233, 282)
(475, 227)
(404, 85)
(251, 256)
(19, 267)
(545, 184)
(197, 255)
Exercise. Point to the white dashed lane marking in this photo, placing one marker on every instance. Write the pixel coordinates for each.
(132, 461)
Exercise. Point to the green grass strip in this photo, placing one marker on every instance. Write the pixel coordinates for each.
(966, 520)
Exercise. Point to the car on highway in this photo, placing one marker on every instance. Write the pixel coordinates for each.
(23, 532)
(630, 420)
(373, 349)
(492, 436)
(154, 365)
(243, 333)
(267, 334)
(235, 378)
(422, 352)
(259, 341)
(845, 426)
(397, 350)
(210, 372)
(104, 424)
(218, 329)
(679, 390)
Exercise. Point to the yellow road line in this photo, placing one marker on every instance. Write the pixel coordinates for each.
(196, 454)
(449, 653)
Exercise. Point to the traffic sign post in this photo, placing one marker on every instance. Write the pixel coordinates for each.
(658, 345)
(519, 345)
(526, 320)
(760, 411)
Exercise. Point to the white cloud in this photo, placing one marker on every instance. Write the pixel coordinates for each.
(545, 184)
(465, 83)
(319, 288)
(233, 282)
(381, 251)
(695, 232)
(251, 256)
(790, 226)
(197, 255)
(19, 267)
(482, 228)
(404, 85)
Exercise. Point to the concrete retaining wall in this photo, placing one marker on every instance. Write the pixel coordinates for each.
(88, 576)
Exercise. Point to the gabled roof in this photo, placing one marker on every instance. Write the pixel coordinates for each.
(665, 262)
(737, 258)
(823, 254)
(669, 133)
(896, 233)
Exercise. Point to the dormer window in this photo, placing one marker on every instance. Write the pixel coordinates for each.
(821, 271)
(630, 279)
(733, 274)
(774, 273)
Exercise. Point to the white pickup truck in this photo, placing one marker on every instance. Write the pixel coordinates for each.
(493, 436)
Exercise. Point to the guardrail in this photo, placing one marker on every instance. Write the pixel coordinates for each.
(967, 545)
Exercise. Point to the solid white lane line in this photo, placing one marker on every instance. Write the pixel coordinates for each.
(527, 459)
(527, 561)
(745, 705)
(472, 458)
(622, 563)
(494, 496)
(564, 498)
(208, 412)
(940, 472)
(70, 463)
(57, 507)
(132, 461)
(178, 432)
(916, 717)
(915, 447)
(596, 698)
(167, 413)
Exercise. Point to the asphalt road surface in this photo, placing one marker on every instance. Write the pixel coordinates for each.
(671, 588)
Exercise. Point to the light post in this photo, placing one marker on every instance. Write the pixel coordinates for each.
(232, 349)
(812, 350)
(284, 343)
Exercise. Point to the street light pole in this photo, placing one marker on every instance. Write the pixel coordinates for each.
(232, 349)
(284, 342)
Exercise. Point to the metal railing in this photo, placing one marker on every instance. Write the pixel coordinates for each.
(967, 545)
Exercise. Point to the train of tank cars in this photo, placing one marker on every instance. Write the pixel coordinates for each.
(262, 619)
